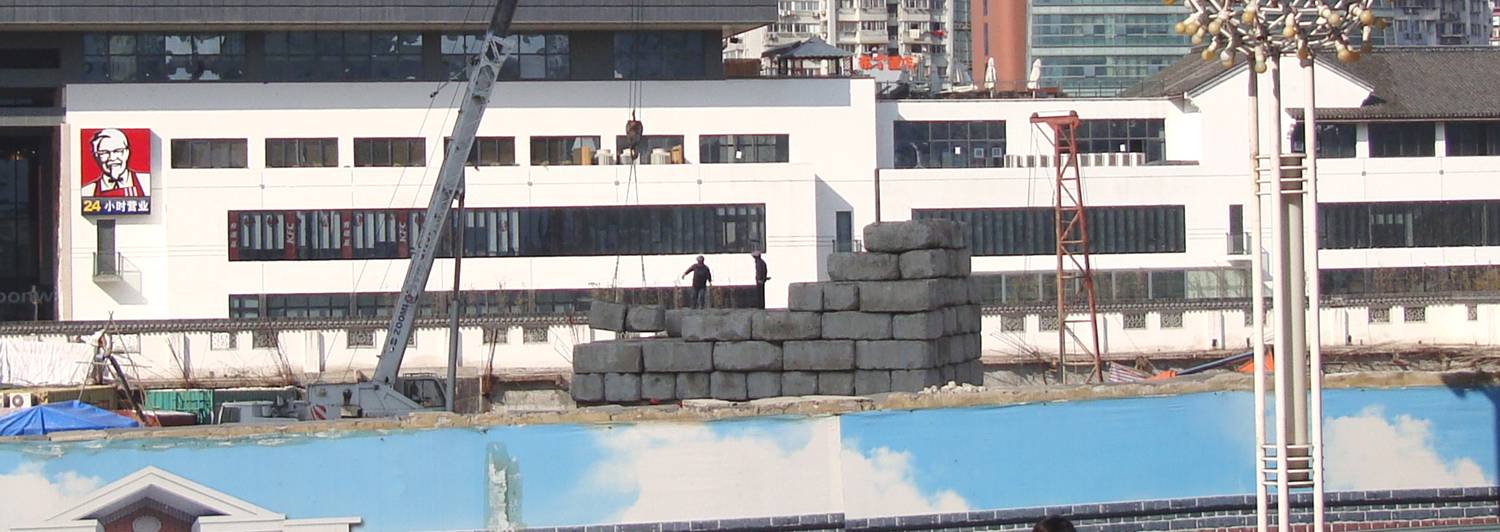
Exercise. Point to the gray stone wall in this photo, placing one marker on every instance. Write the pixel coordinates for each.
(900, 318)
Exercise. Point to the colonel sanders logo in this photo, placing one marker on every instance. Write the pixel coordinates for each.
(117, 163)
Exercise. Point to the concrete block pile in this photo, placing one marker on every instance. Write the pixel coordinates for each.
(900, 317)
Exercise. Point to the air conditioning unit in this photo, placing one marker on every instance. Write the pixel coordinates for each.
(17, 400)
(915, 34)
(1135, 159)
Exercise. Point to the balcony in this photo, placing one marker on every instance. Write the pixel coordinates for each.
(114, 268)
(1237, 244)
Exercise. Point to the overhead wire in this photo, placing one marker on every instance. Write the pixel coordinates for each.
(401, 177)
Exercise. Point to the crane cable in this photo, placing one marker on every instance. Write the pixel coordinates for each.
(634, 133)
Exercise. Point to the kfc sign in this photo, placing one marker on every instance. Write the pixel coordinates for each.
(116, 171)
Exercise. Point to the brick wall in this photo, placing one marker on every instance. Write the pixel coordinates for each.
(1351, 510)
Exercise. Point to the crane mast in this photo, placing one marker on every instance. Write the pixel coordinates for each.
(450, 184)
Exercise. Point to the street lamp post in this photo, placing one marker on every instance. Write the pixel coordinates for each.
(1261, 32)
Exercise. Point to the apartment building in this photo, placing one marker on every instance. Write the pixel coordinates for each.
(1436, 22)
(246, 191)
(932, 37)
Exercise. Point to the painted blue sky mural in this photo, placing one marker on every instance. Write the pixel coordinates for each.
(866, 464)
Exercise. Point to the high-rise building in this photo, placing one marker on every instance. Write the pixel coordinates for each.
(999, 34)
(1436, 22)
(927, 34)
(1101, 47)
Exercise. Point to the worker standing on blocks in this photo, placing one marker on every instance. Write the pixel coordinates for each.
(701, 277)
(761, 276)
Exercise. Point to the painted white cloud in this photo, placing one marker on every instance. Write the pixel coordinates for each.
(685, 472)
(881, 485)
(31, 497)
(681, 472)
(1369, 451)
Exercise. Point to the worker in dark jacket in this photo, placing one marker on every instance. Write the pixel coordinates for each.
(701, 277)
(760, 278)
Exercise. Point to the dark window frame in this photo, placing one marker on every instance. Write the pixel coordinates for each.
(563, 150)
(210, 154)
(164, 56)
(949, 143)
(336, 55)
(1402, 139)
(744, 148)
(322, 152)
(651, 142)
(487, 151)
(390, 152)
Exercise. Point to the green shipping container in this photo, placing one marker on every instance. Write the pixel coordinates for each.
(199, 403)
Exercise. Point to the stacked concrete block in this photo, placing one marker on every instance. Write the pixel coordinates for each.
(901, 317)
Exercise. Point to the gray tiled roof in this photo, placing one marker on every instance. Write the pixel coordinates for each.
(1409, 83)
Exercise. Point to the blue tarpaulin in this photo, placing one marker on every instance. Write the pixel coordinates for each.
(58, 417)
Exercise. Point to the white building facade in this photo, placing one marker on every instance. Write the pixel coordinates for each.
(280, 212)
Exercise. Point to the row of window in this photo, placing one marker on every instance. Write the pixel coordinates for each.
(1405, 139)
(1227, 284)
(1030, 230)
(499, 232)
(981, 143)
(476, 303)
(376, 55)
(486, 151)
(1409, 224)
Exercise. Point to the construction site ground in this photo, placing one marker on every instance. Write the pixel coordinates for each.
(708, 410)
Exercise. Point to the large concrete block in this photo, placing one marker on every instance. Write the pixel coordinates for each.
(948, 373)
(728, 385)
(970, 319)
(864, 267)
(646, 318)
(622, 387)
(693, 386)
(904, 296)
(717, 326)
(673, 321)
(835, 383)
(610, 356)
(971, 372)
(856, 326)
(897, 237)
(895, 354)
(975, 346)
(867, 382)
(762, 384)
(799, 383)
(677, 355)
(817, 355)
(805, 296)
(919, 326)
(747, 356)
(933, 263)
(587, 387)
(949, 350)
(840, 296)
(950, 321)
(914, 380)
(607, 316)
(780, 325)
(659, 386)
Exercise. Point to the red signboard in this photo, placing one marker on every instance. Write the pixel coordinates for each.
(115, 171)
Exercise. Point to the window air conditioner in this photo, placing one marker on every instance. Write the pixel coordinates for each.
(17, 400)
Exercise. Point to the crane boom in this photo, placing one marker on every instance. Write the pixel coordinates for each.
(449, 184)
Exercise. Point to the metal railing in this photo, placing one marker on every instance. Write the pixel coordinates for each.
(1237, 243)
(847, 246)
(108, 264)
